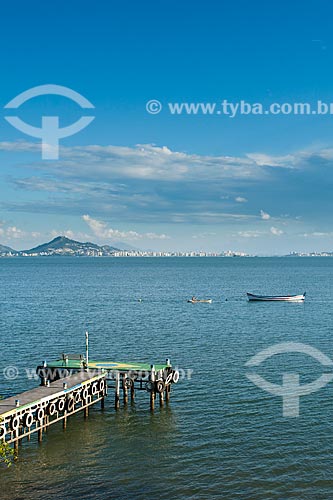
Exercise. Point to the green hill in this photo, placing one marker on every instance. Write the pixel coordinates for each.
(65, 246)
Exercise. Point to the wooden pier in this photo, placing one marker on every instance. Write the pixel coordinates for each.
(35, 410)
(72, 384)
(122, 377)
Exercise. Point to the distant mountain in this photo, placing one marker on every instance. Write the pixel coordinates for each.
(5, 250)
(64, 246)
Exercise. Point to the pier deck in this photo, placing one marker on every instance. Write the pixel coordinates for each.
(33, 411)
(42, 394)
(70, 384)
(128, 376)
(77, 364)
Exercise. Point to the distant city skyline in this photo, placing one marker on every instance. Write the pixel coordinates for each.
(64, 246)
(254, 183)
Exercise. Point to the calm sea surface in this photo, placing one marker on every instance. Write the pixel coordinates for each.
(221, 437)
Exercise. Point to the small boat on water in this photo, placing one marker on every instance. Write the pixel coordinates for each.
(196, 301)
(276, 298)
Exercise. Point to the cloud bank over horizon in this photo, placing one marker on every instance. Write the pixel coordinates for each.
(146, 192)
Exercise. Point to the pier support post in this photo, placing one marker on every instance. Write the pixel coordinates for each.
(152, 393)
(17, 440)
(86, 411)
(167, 393)
(125, 392)
(152, 400)
(162, 398)
(132, 393)
(117, 391)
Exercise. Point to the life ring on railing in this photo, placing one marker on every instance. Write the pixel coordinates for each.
(128, 382)
(175, 376)
(85, 394)
(2, 431)
(61, 405)
(51, 409)
(94, 389)
(28, 420)
(15, 422)
(70, 404)
(101, 385)
(77, 396)
(40, 414)
(169, 378)
(160, 385)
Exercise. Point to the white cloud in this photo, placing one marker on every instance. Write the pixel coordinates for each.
(144, 161)
(20, 146)
(200, 236)
(255, 233)
(276, 231)
(318, 234)
(151, 162)
(101, 230)
(152, 184)
(287, 161)
(69, 233)
(250, 234)
(10, 234)
(264, 215)
(14, 232)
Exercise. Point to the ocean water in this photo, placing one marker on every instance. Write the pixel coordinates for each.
(221, 437)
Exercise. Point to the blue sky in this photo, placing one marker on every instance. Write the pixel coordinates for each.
(256, 183)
